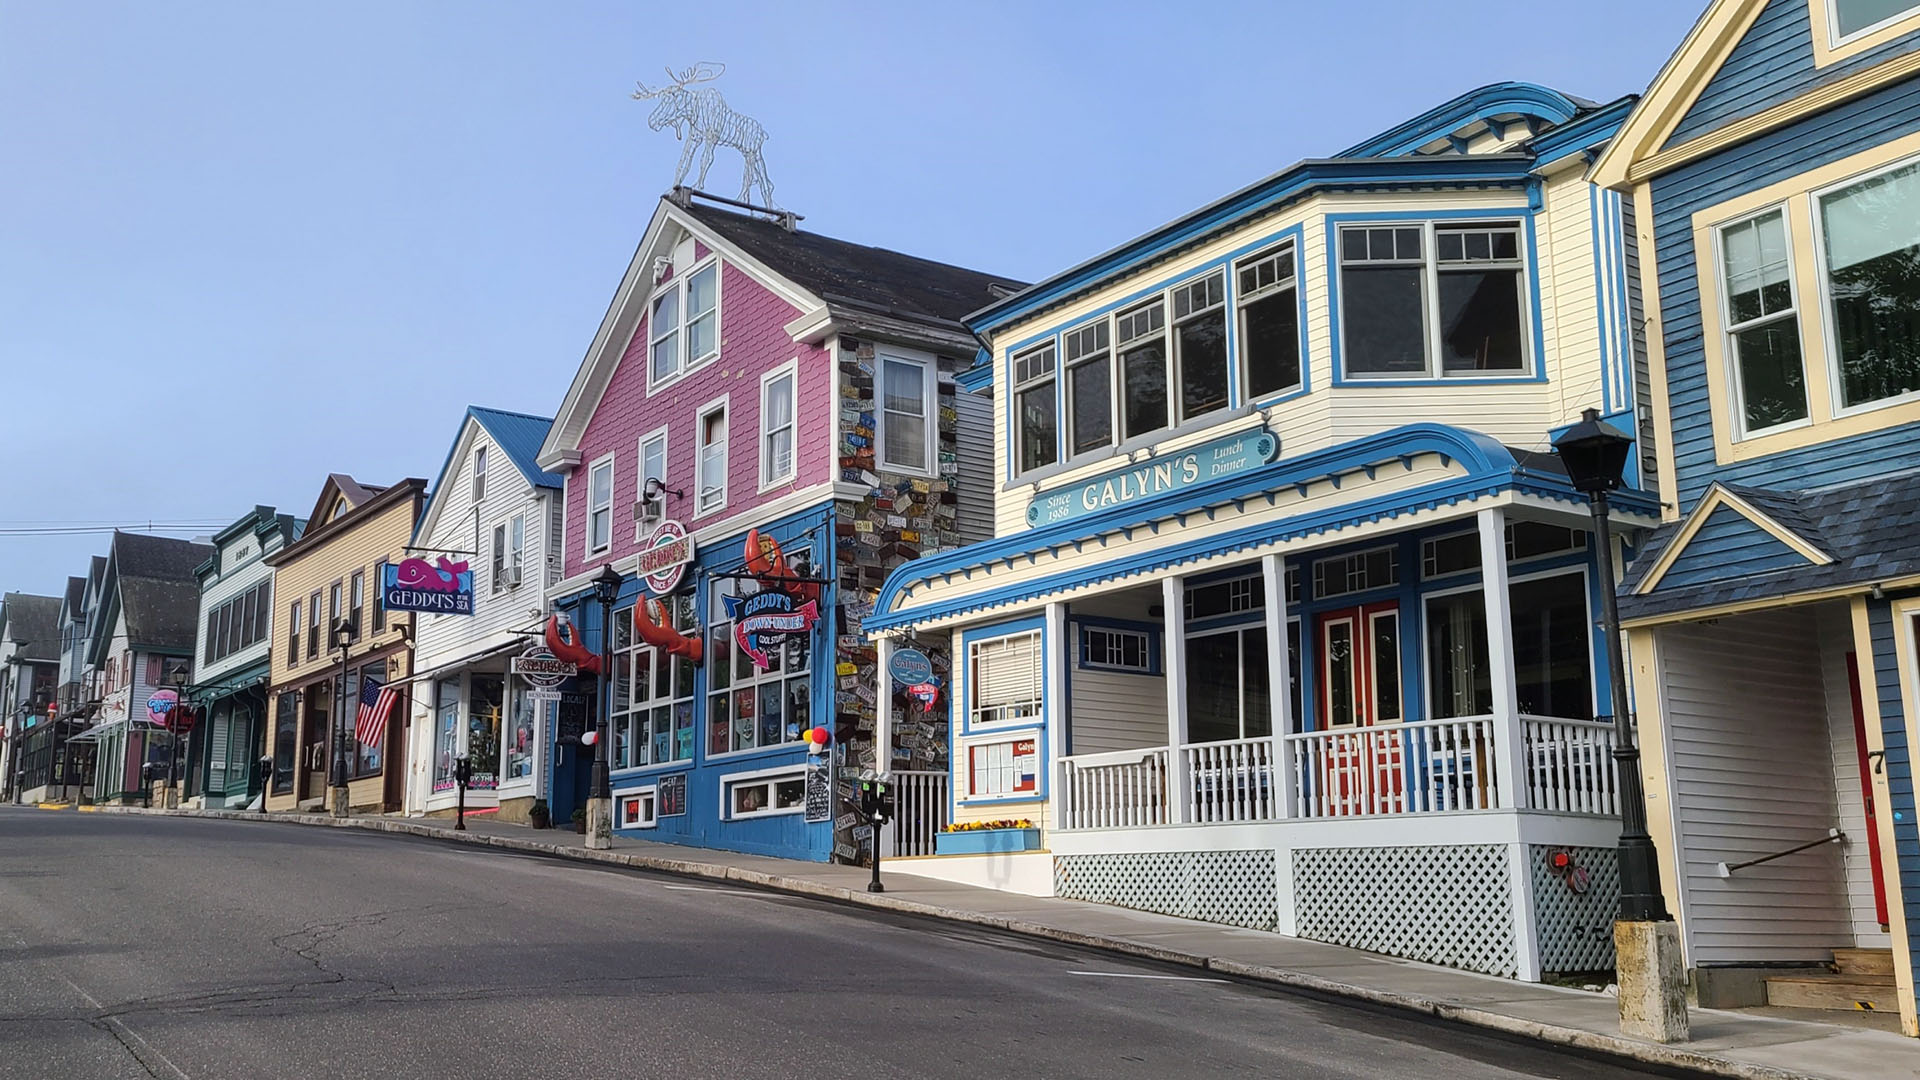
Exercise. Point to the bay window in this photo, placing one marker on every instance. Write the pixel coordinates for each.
(684, 327)
(1034, 400)
(906, 409)
(1431, 300)
(1871, 276)
(1269, 311)
(1762, 323)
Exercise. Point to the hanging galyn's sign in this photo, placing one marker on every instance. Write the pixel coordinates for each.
(663, 561)
(910, 666)
(416, 585)
(1203, 464)
(767, 617)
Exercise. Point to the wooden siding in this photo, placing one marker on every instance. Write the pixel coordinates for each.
(1835, 634)
(1116, 710)
(1899, 765)
(1878, 117)
(1750, 776)
(1642, 379)
(1729, 545)
(1773, 63)
(236, 577)
(973, 423)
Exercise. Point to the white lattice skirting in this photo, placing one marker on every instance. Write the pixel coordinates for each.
(1233, 887)
(1575, 929)
(1443, 905)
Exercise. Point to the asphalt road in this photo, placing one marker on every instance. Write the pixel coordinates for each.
(137, 946)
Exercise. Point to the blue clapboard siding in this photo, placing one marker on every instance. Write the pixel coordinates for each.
(1729, 545)
(1862, 123)
(1899, 764)
(1773, 63)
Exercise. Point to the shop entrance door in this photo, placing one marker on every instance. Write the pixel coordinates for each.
(1360, 692)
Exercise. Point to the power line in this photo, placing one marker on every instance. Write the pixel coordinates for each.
(85, 530)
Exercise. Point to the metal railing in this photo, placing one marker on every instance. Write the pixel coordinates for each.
(920, 812)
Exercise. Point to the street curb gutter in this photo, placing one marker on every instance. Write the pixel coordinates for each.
(1576, 1038)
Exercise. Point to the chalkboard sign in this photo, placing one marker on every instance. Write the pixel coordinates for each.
(819, 794)
(671, 796)
(572, 718)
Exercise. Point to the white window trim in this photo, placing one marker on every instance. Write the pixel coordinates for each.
(1586, 591)
(1430, 300)
(768, 482)
(972, 718)
(1013, 399)
(964, 766)
(1823, 277)
(723, 403)
(728, 781)
(1730, 352)
(1240, 301)
(517, 554)
(1836, 40)
(930, 400)
(613, 476)
(683, 364)
(497, 559)
(479, 480)
(1145, 666)
(640, 528)
(620, 797)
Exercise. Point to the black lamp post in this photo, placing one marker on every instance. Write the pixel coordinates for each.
(606, 588)
(1594, 453)
(342, 634)
(176, 717)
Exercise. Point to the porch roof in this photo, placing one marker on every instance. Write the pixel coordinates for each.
(1787, 542)
(1398, 473)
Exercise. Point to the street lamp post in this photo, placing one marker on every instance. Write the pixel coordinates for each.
(177, 682)
(1651, 975)
(606, 588)
(342, 635)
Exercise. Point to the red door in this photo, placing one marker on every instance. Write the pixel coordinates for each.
(1359, 691)
(1866, 790)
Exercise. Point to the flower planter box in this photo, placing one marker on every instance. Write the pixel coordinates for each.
(982, 841)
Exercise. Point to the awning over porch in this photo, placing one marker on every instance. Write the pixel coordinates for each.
(1743, 547)
(1407, 476)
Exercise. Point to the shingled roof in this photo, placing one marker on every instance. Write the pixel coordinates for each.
(854, 278)
(158, 593)
(1870, 528)
(34, 620)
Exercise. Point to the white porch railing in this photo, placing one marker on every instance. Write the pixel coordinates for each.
(1570, 766)
(919, 812)
(1424, 767)
(1232, 781)
(1118, 790)
(1427, 766)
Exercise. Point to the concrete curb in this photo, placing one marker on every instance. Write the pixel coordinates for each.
(1559, 1035)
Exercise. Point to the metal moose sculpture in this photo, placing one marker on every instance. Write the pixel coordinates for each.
(701, 119)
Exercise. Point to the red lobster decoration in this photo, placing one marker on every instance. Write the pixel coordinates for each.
(661, 635)
(567, 647)
(765, 560)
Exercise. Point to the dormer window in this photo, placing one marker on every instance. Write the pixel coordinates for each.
(1427, 300)
(685, 325)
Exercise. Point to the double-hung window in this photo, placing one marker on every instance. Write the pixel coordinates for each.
(712, 479)
(313, 624)
(1089, 388)
(1870, 230)
(1141, 335)
(293, 633)
(499, 557)
(1269, 312)
(600, 504)
(357, 595)
(684, 329)
(906, 409)
(1433, 300)
(1762, 323)
(1006, 680)
(479, 473)
(1200, 345)
(777, 407)
(1034, 399)
(516, 546)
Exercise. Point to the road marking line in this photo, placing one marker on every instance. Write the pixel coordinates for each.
(702, 888)
(120, 1026)
(1131, 975)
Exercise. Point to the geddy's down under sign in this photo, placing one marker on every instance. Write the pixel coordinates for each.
(1201, 464)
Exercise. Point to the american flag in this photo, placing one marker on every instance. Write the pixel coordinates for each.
(376, 704)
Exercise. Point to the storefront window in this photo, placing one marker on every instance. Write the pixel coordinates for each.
(446, 732)
(653, 690)
(369, 756)
(286, 736)
(1552, 654)
(518, 760)
(485, 709)
(749, 707)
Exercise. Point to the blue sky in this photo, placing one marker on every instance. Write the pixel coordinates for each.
(248, 244)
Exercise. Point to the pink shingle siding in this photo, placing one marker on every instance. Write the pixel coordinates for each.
(752, 342)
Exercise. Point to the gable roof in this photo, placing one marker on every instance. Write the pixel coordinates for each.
(33, 621)
(1847, 536)
(320, 529)
(150, 580)
(832, 284)
(1491, 108)
(76, 597)
(518, 436)
(853, 279)
(161, 613)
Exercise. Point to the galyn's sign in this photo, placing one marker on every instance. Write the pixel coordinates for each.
(1203, 464)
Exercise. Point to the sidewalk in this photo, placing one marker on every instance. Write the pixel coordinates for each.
(1724, 1043)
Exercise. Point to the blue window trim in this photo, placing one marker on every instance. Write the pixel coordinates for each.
(965, 729)
(1152, 631)
(1056, 336)
(1524, 214)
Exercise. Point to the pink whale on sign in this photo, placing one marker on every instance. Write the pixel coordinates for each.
(418, 574)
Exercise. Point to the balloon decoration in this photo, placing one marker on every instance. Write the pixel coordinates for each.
(817, 740)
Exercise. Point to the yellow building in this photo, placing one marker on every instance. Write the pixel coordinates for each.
(334, 571)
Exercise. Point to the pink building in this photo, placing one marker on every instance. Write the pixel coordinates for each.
(753, 381)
